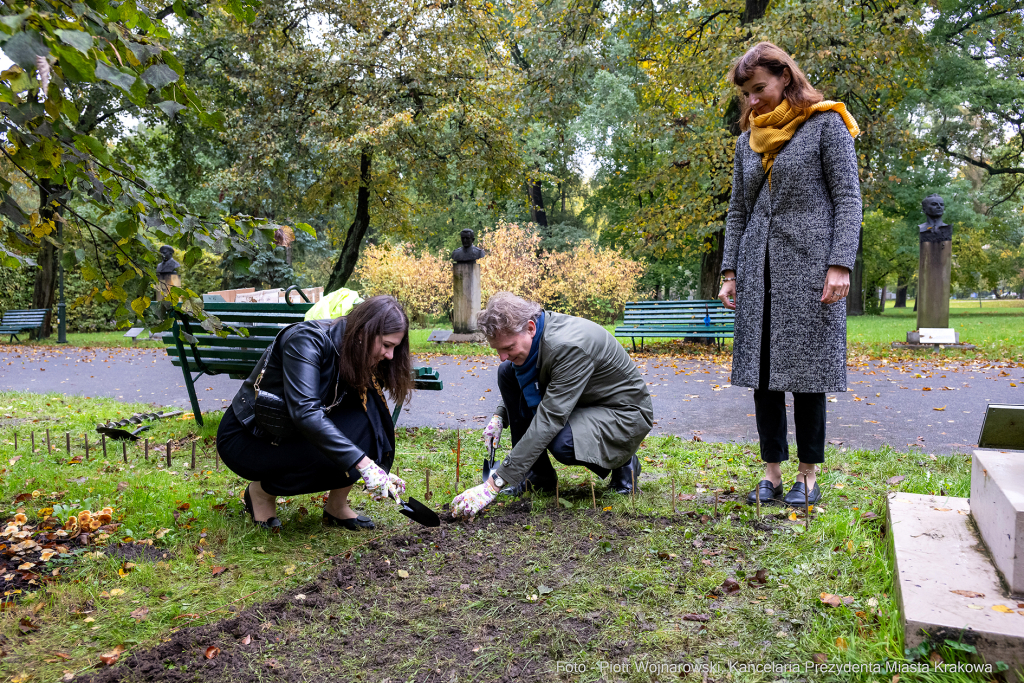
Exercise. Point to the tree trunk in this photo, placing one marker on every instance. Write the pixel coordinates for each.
(536, 200)
(44, 291)
(901, 292)
(855, 300)
(881, 304)
(711, 264)
(357, 231)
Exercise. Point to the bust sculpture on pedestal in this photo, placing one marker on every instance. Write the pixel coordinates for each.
(167, 272)
(934, 274)
(466, 286)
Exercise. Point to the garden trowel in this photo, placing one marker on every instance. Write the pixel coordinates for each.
(488, 463)
(416, 511)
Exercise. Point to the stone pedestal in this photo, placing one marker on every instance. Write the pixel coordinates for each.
(997, 506)
(933, 284)
(165, 282)
(465, 296)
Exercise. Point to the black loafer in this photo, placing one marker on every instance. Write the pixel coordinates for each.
(352, 524)
(766, 491)
(795, 497)
(273, 523)
(531, 483)
(623, 477)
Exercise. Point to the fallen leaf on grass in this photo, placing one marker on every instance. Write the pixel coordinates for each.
(868, 515)
(402, 574)
(696, 617)
(835, 600)
(217, 571)
(122, 486)
(730, 586)
(110, 658)
(140, 614)
(892, 481)
(819, 658)
(935, 658)
(246, 640)
(544, 590)
(212, 652)
(114, 592)
(26, 625)
(968, 594)
(841, 644)
(289, 570)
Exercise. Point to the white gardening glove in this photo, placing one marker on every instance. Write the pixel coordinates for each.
(492, 433)
(472, 501)
(397, 482)
(377, 481)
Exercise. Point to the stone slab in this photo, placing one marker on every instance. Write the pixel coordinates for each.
(997, 505)
(937, 551)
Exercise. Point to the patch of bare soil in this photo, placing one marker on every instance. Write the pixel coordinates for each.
(424, 605)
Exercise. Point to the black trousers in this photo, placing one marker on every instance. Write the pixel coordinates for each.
(295, 466)
(519, 418)
(770, 406)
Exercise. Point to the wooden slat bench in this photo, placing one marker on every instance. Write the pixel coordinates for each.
(694, 319)
(236, 355)
(15, 322)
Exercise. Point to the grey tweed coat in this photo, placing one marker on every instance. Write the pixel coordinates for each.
(809, 220)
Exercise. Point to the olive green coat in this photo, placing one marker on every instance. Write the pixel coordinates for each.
(588, 380)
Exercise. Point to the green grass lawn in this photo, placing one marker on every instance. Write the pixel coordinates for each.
(639, 577)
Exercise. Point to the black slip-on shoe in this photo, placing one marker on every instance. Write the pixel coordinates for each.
(795, 497)
(272, 523)
(623, 477)
(352, 524)
(531, 483)
(767, 491)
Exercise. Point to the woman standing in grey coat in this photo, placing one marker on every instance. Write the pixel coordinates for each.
(790, 244)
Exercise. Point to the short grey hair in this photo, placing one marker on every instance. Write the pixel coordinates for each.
(507, 313)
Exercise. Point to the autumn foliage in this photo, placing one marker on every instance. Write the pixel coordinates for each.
(587, 281)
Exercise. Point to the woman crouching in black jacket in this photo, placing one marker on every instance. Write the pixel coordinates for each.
(334, 426)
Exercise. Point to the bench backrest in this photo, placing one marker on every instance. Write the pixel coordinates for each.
(24, 316)
(655, 312)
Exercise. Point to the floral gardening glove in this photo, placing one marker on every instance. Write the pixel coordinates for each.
(377, 481)
(492, 433)
(472, 501)
(397, 482)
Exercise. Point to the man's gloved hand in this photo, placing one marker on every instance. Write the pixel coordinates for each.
(378, 482)
(472, 501)
(398, 483)
(492, 433)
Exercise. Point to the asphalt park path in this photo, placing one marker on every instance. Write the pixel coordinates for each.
(933, 406)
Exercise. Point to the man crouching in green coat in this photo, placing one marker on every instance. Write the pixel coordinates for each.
(568, 387)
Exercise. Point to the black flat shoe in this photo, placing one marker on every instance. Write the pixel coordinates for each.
(352, 524)
(531, 483)
(623, 477)
(795, 497)
(767, 491)
(272, 523)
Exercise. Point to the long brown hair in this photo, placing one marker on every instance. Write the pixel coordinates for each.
(365, 324)
(799, 93)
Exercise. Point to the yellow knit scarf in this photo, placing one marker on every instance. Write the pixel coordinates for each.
(769, 132)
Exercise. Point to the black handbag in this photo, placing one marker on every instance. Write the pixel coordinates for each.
(270, 410)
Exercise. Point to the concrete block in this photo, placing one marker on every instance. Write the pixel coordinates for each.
(997, 505)
(937, 551)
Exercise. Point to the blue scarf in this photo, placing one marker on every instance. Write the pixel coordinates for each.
(528, 371)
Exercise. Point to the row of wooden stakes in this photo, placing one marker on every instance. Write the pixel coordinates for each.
(102, 443)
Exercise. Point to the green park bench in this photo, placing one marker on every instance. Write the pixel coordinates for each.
(696, 319)
(237, 355)
(20, 321)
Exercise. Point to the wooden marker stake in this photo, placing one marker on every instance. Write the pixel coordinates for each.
(147, 449)
(33, 441)
(86, 446)
(168, 452)
(458, 455)
(593, 496)
(124, 451)
(674, 511)
(757, 497)
(103, 440)
(193, 455)
(807, 508)
(428, 494)
(49, 448)
(67, 442)
(632, 492)
(556, 494)
(716, 503)
(15, 440)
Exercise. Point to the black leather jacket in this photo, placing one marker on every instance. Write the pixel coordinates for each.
(303, 369)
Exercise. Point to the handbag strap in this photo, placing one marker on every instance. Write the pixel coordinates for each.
(270, 352)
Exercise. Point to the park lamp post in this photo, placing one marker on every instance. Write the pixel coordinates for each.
(62, 325)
